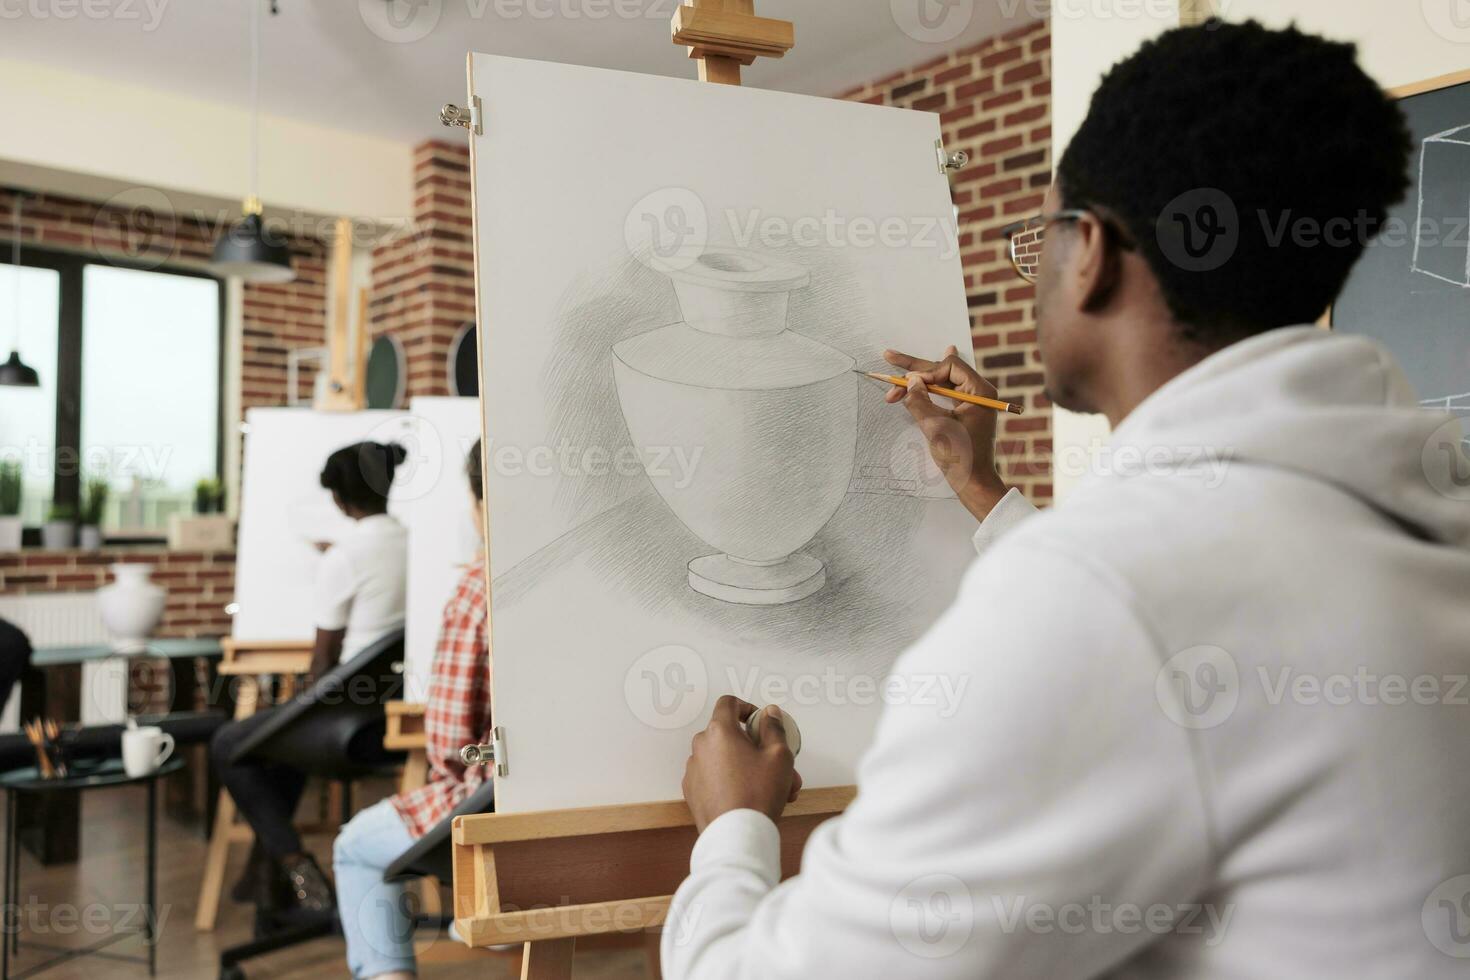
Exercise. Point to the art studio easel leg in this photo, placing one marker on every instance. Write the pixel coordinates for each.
(548, 959)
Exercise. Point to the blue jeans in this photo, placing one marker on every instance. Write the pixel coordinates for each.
(376, 915)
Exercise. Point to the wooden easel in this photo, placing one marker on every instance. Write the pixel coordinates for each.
(246, 662)
(548, 878)
(346, 377)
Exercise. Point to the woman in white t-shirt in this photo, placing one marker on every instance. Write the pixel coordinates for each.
(361, 582)
(358, 599)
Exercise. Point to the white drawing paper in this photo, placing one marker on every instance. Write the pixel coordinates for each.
(690, 491)
(284, 512)
(441, 530)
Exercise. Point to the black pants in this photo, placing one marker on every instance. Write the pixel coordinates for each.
(266, 794)
(15, 657)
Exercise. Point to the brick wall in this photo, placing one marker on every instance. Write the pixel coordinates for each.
(994, 101)
(199, 584)
(277, 318)
(424, 281)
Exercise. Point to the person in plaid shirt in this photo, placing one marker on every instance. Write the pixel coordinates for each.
(375, 914)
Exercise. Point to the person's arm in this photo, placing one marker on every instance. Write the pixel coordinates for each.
(961, 440)
(326, 650)
(332, 594)
(990, 822)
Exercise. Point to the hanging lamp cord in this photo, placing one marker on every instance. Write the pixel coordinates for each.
(255, 100)
(15, 264)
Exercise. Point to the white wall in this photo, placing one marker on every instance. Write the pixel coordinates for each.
(1087, 40)
(1399, 41)
(129, 135)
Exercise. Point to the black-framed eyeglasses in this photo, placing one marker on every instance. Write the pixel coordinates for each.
(1024, 238)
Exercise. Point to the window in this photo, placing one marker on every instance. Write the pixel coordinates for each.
(130, 370)
(30, 301)
(152, 442)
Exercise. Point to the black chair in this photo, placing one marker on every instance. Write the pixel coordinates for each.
(433, 853)
(333, 730)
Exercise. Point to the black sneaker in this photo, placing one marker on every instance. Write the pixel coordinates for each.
(307, 887)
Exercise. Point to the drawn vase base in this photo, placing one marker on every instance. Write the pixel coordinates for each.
(732, 580)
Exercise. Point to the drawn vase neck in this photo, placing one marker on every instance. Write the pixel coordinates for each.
(735, 292)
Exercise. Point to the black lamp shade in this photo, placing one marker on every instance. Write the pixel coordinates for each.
(248, 251)
(17, 374)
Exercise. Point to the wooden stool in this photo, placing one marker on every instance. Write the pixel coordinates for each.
(248, 661)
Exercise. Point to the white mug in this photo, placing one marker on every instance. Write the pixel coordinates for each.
(145, 749)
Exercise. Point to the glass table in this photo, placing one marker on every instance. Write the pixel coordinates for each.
(106, 774)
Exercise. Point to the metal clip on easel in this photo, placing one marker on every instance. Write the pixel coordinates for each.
(486, 754)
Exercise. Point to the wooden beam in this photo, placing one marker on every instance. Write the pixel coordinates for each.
(340, 388)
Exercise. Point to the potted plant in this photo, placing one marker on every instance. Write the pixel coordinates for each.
(94, 504)
(10, 496)
(209, 497)
(207, 529)
(59, 531)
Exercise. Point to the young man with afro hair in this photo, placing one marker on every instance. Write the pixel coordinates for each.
(1213, 721)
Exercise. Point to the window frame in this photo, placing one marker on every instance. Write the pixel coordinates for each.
(71, 267)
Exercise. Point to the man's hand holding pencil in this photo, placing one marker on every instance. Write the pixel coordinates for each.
(962, 437)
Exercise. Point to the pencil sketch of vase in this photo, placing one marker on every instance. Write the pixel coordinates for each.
(769, 414)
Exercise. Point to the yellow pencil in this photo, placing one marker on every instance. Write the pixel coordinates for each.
(958, 396)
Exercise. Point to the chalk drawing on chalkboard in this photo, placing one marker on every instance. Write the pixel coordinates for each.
(1442, 233)
(1456, 405)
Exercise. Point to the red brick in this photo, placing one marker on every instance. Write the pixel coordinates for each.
(1022, 73)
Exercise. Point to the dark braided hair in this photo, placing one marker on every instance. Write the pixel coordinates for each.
(361, 474)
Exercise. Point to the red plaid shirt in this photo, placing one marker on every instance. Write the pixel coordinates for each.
(458, 712)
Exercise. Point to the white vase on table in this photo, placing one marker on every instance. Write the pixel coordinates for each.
(10, 531)
(131, 607)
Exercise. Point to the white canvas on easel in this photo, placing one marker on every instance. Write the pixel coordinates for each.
(441, 530)
(625, 600)
(284, 512)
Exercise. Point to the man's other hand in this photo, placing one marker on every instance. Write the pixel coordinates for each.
(726, 771)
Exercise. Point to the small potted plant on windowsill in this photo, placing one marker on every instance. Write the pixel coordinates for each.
(208, 528)
(209, 497)
(94, 503)
(60, 530)
(10, 496)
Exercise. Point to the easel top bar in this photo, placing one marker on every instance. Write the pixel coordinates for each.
(723, 35)
(501, 828)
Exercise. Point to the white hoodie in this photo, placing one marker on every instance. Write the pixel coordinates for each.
(1216, 721)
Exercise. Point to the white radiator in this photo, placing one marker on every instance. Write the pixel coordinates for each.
(63, 619)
